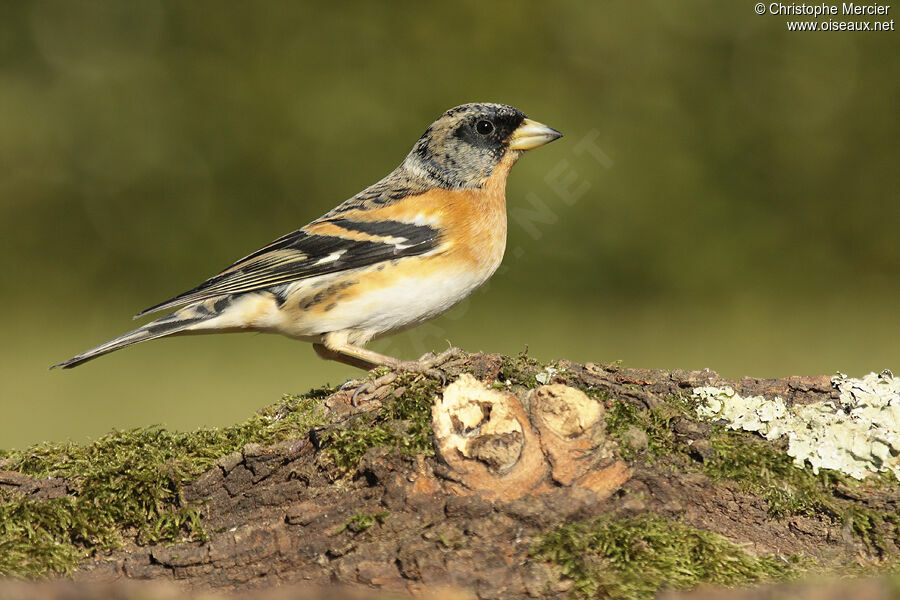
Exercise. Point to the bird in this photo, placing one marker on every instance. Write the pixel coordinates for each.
(402, 251)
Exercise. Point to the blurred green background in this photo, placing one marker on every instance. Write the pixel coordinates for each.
(726, 195)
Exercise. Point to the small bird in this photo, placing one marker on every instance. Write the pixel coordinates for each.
(398, 253)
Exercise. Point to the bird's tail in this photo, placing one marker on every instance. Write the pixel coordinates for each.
(177, 322)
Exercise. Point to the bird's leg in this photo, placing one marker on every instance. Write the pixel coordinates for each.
(369, 359)
(429, 360)
(358, 387)
(332, 353)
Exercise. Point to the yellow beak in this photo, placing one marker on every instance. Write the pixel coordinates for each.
(531, 134)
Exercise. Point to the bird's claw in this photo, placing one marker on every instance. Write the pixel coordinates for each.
(428, 364)
(372, 387)
(366, 388)
(351, 384)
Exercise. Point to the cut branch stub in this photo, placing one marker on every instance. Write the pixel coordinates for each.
(571, 427)
(485, 437)
(494, 449)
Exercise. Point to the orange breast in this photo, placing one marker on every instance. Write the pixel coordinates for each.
(472, 222)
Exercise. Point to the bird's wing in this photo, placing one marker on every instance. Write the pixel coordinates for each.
(328, 245)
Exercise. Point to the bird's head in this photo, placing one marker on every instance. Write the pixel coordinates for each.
(464, 146)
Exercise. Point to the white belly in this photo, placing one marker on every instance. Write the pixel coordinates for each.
(365, 312)
(407, 303)
(378, 310)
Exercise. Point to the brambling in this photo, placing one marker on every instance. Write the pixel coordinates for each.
(398, 253)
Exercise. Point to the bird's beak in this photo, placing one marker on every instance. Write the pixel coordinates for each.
(531, 134)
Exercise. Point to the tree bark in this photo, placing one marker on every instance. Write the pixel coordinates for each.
(511, 463)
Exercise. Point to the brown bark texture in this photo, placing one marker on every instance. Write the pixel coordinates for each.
(510, 463)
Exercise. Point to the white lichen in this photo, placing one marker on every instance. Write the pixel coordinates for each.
(754, 413)
(858, 435)
(547, 375)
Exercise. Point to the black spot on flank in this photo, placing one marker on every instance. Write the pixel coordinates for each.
(317, 299)
(330, 306)
(221, 304)
(380, 267)
(201, 310)
(279, 295)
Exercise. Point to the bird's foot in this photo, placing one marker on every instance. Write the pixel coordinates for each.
(375, 388)
(429, 363)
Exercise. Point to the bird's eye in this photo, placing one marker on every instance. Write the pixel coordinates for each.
(484, 127)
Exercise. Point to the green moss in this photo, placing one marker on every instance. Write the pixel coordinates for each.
(619, 416)
(592, 391)
(37, 537)
(880, 531)
(633, 558)
(126, 483)
(520, 370)
(761, 469)
(656, 423)
(362, 521)
(403, 424)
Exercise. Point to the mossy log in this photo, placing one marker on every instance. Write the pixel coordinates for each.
(513, 479)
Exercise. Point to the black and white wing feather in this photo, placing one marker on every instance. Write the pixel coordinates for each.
(310, 252)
